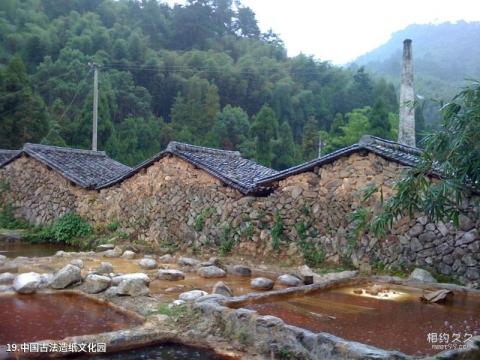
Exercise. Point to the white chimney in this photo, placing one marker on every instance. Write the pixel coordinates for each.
(406, 131)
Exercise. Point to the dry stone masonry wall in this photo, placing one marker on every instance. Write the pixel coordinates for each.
(39, 194)
(174, 203)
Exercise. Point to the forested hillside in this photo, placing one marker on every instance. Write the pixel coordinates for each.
(202, 73)
(445, 55)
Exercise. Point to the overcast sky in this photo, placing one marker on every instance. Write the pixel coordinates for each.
(341, 30)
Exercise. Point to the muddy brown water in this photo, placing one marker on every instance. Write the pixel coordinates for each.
(12, 249)
(394, 319)
(28, 318)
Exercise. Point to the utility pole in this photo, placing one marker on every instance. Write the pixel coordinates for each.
(321, 144)
(95, 67)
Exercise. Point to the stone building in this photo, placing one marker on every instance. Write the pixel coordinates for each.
(7, 155)
(46, 182)
(193, 198)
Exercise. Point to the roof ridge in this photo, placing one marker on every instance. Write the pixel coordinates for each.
(175, 145)
(32, 146)
(370, 140)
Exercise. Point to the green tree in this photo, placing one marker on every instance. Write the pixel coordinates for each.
(264, 131)
(452, 157)
(379, 121)
(310, 139)
(231, 128)
(284, 149)
(22, 113)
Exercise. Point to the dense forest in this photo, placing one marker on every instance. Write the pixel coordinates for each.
(202, 73)
(445, 56)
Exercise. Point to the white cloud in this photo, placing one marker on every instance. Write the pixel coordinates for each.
(340, 30)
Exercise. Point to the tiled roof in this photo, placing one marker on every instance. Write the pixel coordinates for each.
(85, 168)
(7, 155)
(228, 166)
(390, 150)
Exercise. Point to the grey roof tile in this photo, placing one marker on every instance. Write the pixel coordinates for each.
(85, 168)
(228, 166)
(390, 150)
(7, 155)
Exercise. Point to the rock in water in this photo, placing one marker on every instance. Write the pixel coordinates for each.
(66, 276)
(147, 264)
(438, 296)
(113, 253)
(170, 274)
(105, 247)
(241, 270)
(289, 280)
(6, 278)
(261, 283)
(96, 283)
(104, 268)
(143, 277)
(211, 272)
(222, 288)
(185, 261)
(192, 295)
(128, 254)
(166, 259)
(421, 275)
(77, 262)
(27, 283)
(133, 287)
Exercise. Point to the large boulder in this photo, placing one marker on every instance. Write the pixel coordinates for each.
(261, 283)
(128, 254)
(66, 276)
(192, 295)
(222, 288)
(3, 259)
(46, 280)
(289, 280)
(421, 275)
(241, 270)
(170, 274)
(211, 272)
(6, 278)
(147, 264)
(95, 283)
(133, 287)
(166, 259)
(113, 253)
(104, 268)
(27, 283)
(186, 261)
(132, 276)
(77, 262)
(104, 247)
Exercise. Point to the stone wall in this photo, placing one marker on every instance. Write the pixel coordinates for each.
(39, 194)
(174, 203)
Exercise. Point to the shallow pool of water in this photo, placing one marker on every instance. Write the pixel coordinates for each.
(12, 249)
(164, 352)
(27, 318)
(394, 319)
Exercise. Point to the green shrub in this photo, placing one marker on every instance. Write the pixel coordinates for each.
(8, 220)
(301, 231)
(68, 229)
(313, 255)
(200, 219)
(70, 226)
(227, 242)
(113, 226)
(277, 231)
